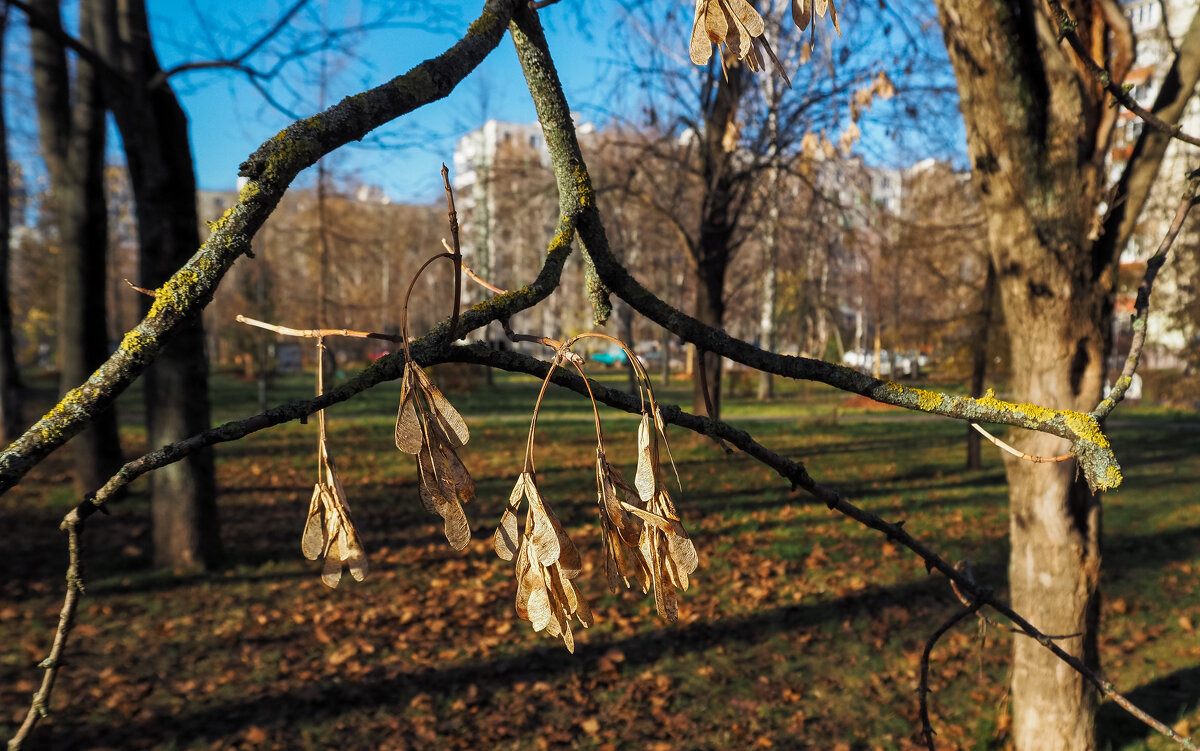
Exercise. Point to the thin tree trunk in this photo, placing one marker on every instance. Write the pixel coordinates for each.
(154, 130)
(710, 309)
(73, 141)
(11, 422)
(766, 383)
(979, 361)
(718, 219)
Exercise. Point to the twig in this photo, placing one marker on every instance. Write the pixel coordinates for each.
(39, 707)
(923, 688)
(1017, 453)
(317, 333)
(545, 341)
(1142, 306)
(456, 253)
(511, 335)
(480, 280)
(136, 288)
(1065, 25)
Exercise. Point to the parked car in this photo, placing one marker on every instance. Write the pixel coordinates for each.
(614, 356)
(864, 360)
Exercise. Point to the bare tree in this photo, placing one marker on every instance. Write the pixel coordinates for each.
(154, 130)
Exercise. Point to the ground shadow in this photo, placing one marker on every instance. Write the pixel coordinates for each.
(1166, 698)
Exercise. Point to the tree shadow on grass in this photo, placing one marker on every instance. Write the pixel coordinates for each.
(326, 699)
(1166, 698)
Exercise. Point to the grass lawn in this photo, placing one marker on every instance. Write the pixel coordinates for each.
(800, 629)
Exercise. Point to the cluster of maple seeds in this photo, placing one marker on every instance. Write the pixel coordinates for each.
(430, 427)
(644, 541)
(328, 531)
(737, 26)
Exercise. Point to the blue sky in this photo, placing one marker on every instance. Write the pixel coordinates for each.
(229, 118)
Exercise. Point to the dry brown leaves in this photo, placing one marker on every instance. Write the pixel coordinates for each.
(621, 530)
(736, 25)
(430, 427)
(547, 562)
(329, 533)
(738, 28)
(802, 12)
(664, 543)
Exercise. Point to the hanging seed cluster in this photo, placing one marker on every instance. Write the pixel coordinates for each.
(644, 541)
(547, 563)
(430, 427)
(328, 532)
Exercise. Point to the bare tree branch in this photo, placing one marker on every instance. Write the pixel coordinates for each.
(923, 688)
(239, 59)
(1065, 25)
(39, 706)
(1142, 305)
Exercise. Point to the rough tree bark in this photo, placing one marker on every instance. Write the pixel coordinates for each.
(154, 130)
(72, 139)
(1038, 129)
(11, 422)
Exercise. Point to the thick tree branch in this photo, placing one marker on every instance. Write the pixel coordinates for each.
(575, 192)
(271, 170)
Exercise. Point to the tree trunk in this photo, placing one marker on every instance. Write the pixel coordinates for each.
(72, 141)
(1034, 132)
(11, 422)
(710, 309)
(979, 361)
(1038, 130)
(155, 133)
(766, 383)
(1058, 351)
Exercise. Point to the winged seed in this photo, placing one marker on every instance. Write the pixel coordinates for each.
(644, 479)
(505, 540)
(312, 542)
